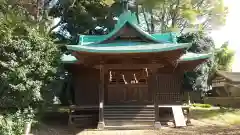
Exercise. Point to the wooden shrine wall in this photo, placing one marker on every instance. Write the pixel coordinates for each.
(85, 85)
(86, 82)
(168, 88)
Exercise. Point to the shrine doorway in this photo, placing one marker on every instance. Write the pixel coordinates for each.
(128, 87)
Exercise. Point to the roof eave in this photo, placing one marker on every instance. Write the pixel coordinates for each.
(223, 74)
(81, 49)
(203, 56)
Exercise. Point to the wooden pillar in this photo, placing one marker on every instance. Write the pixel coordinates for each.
(101, 123)
(157, 123)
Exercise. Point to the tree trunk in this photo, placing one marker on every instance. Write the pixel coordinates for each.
(163, 22)
(152, 21)
(137, 13)
(145, 18)
(174, 15)
(40, 6)
(189, 98)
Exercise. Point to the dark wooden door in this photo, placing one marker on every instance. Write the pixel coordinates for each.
(128, 87)
(129, 94)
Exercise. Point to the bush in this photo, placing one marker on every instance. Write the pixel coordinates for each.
(29, 61)
(202, 105)
(13, 123)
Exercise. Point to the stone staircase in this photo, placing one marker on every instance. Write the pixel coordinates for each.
(129, 117)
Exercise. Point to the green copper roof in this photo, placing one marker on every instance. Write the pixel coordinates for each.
(127, 48)
(194, 56)
(131, 19)
(160, 42)
(126, 18)
(116, 29)
(186, 57)
(161, 37)
(88, 39)
(166, 37)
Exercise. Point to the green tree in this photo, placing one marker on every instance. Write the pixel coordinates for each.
(223, 58)
(29, 60)
(80, 16)
(176, 15)
(159, 15)
(201, 43)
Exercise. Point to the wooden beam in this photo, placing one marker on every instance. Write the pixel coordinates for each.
(101, 98)
(130, 66)
(157, 123)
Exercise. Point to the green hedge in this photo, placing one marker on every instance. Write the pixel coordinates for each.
(202, 105)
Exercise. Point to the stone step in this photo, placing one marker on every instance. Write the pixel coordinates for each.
(129, 106)
(129, 122)
(130, 117)
(128, 127)
(129, 114)
(128, 109)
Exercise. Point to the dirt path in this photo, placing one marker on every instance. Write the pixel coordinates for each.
(198, 128)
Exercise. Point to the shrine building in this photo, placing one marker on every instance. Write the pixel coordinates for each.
(128, 77)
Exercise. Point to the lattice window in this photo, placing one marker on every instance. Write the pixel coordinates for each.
(169, 98)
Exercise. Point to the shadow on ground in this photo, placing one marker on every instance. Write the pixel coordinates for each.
(46, 129)
(58, 125)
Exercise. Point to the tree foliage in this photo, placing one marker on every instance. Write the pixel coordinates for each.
(201, 43)
(13, 123)
(80, 16)
(172, 15)
(28, 61)
(223, 58)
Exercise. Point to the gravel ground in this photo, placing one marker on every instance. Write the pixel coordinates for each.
(197, 128)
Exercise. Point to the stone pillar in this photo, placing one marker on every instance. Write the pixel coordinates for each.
(101, 98)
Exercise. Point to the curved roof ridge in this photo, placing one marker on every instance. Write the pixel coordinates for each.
(169, 37)
(126, 16)
(129, 17)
